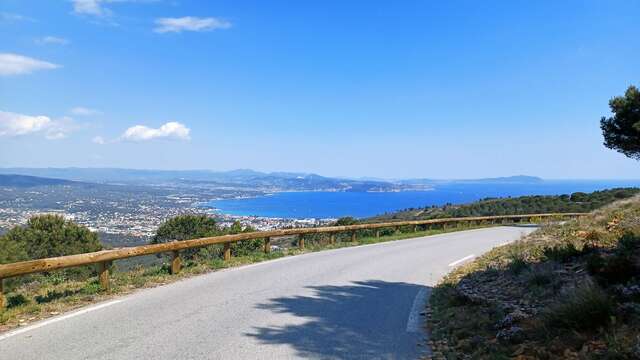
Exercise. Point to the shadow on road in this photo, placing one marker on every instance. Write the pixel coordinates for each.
(366, 320)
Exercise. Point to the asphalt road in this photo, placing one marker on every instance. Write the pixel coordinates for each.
(352, 303)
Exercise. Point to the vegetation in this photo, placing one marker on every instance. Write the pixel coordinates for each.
(46, 236)
(576, 202)
(40, 295)
(622, 131)
(566, 291)
(185, 227)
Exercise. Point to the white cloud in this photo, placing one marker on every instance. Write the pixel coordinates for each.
(83, 111)
(13, 124)
(189, 23)
(14, 64)
(90, 7)
(11, 17)
(52, 40)
(171, 130)
(99, 140)
(97, 8)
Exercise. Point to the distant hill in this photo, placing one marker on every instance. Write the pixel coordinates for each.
(31, 181)
(518, 179)
(242, 179)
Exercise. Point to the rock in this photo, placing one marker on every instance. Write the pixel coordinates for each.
(568, 354)
(512, 317)
(519, 350)
(477, 340)
(514, 334)
(632, 291)
(636, 348)
(629, 310)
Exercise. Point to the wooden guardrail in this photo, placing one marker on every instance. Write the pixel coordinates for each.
(105, 258)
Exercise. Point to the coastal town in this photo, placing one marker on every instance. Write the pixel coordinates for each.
(131, 214)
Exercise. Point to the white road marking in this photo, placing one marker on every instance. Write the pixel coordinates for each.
(56, 319)
(413, 323)
(462, 260)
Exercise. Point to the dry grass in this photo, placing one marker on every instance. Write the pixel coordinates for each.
(571, 286)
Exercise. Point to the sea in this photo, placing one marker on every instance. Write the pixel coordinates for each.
(325, 205)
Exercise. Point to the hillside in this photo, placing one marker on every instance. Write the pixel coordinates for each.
(517, 179)
(11, 180)
(576, 202)
(567, 291)
(238, 179)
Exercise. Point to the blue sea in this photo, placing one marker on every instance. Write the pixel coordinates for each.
(364, 204)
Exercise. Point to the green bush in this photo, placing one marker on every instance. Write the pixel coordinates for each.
(539, 276)
(53, 295)
(186, 227)
(16, 300)
(518, 265)
(594, 263)
(244, 247)
(347, 220)
(587, 307)
(517, 260)
(563, 253)
(628, 243)
(46, 236)
(617, 269)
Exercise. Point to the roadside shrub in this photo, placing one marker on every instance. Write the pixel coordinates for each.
(617, 269)
(246, 247)
(628, 243)
(587, 307)
(539, 276)
(186, 227)
(16, 300)
(518, 265)
(347, 220)
(447, 295)
(53, 295)
(562, 253)
(91, 288)
(46, 236)
(11, 251)
(594, 263)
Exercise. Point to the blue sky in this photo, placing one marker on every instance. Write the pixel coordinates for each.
(438, 89)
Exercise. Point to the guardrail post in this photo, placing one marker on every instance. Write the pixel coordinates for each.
(176, 262)
(301, 242)
(267, 245)
(332, 238)
(3, 302)
(377, 233)
(444, 226)
(103, 274)
(353, 236)
(227, 251)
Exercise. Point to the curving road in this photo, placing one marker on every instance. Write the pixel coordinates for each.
(352, 303)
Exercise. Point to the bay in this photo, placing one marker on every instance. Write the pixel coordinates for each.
(320, 204)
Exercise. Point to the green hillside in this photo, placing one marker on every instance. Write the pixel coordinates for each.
(576, 202)
(567, 291)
